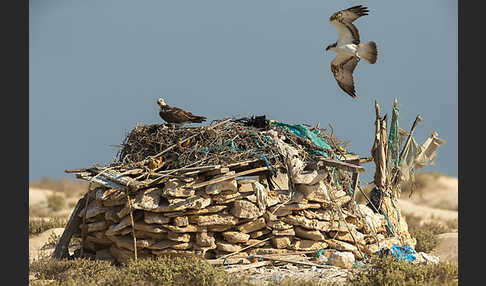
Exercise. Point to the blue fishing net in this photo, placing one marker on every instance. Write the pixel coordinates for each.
(304, 131)
(405, 252)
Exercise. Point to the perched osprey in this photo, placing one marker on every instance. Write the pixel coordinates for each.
(177, 116)
(348, 47)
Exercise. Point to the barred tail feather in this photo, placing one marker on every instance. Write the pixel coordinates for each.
(368, 52)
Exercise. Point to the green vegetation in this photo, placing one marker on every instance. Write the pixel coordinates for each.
(387, 271)
(426, 233)
(37, 226)
(56, 202)
(161, 271)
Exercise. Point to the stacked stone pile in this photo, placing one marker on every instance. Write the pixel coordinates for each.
(293, 198)
(229, 216)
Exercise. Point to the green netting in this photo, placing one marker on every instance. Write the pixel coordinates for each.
(304, 131)
(394, 137)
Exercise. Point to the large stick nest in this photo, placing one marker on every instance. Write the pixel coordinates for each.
(238, 140)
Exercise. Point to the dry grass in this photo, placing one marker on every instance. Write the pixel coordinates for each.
(56, 202)
(161, 271)
(37, 226)
(388, 271)
(426, 233)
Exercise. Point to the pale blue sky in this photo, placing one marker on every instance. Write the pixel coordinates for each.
(98, 66)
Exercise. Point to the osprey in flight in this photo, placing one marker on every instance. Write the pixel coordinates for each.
(348, 47)
(177, 116)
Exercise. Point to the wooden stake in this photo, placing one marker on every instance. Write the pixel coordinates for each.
(72, 226)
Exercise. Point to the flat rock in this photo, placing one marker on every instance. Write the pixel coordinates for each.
(123, 255)
(246, 186)
(342, 259)
(258, 242)
(228, 247)
(187, 228)
(281, 241)
(306, 245)
(103, 194)
(279, 225)
(94, 208)
(309, 234)
(95, 226)
(245, 209)
(163, 244)
(127, 242)
(207, 210)
(307, 223)
(194, 202)
(219, 228)
(150, 217)
(175, 188)
(224, 198)
(284, 232)
(182, 246)
(341, 245)
(346, 236)
(316, 192)
(424, 258)
(281, 210)
(224, 186)
(252, 226)
(259, 233)
(177, 236)
(147, 199)
(310, 177)
(116, 228)
(216, 219)
(235, 236)
(181, 221)
(146, 234)
(205, 239)
(320, 214)
(154, 228)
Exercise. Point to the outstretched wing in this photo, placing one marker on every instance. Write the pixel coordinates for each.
(343, 21)
(342, 68)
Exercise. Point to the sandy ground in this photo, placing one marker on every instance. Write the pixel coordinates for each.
(37, 242)
(425, 212)
(441, 193)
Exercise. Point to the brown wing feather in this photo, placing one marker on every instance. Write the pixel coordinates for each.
(344, 18)
(342, 69)
(350, 14)
(187, 116)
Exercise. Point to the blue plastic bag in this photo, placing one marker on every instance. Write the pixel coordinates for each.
(405, 252)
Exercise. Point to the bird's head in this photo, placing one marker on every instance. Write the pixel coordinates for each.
(161, 102)
(331, 46)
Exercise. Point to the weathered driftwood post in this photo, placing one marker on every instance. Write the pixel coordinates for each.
(388, 203)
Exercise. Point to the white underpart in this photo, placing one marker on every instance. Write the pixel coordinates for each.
(346, 49)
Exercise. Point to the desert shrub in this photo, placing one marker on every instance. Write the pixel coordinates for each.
(71, 272)
(37, 226)
(452, 224)
(56, 202)
(160, 271)
(425, 233)
(388, 271)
